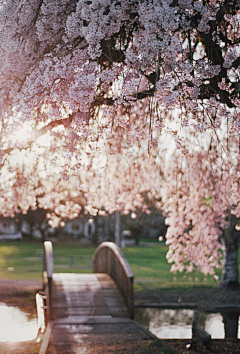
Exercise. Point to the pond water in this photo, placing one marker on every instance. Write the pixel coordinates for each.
(177, 324)
(15, 325)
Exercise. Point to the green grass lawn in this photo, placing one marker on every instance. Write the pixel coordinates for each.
(23, 260)
(152, 271)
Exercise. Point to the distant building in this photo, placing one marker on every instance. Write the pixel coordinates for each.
(9, 230)
(8, 226)
(73, 228)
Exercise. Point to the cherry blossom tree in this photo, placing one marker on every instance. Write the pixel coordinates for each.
(123, 66)
(120, 64)
(100, 77)
(201, 198)
(65, 181)
(28, 182)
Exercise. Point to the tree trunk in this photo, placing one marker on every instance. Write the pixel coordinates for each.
(230, 270)
(230, 320)
(117, 228)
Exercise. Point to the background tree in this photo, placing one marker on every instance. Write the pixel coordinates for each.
(63, 182)
(36, 221)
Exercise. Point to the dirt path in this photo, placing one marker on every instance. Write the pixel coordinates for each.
(20, 293)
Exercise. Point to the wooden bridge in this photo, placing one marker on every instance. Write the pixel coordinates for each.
(92, 313)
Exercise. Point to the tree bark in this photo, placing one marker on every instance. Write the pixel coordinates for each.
(230, 270)
(230, 320)
(117, 228)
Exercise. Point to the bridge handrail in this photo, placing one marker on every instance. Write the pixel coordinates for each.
(109, 259)
(47, 275)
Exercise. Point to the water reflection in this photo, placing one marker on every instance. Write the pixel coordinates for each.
(214, 325)
(171, 323)
(15, 326)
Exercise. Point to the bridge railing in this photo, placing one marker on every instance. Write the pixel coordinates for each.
(109, 259)
(47, 276)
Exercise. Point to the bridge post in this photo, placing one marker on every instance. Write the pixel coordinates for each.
(47, 276)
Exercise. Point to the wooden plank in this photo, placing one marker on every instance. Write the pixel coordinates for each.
(81, 278)
(91, 320)
(74, 295)
(114, 301)
(87, 319)
(100, 311)
(73, 277)
(97, 332)
(46, 338)
(60, 286)
(82, 304)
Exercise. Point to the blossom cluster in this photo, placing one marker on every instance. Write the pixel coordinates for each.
(65, 179)
(104, 76)
(63, 57)
(200, 192)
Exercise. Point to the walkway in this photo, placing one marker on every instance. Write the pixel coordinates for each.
(89, 315)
